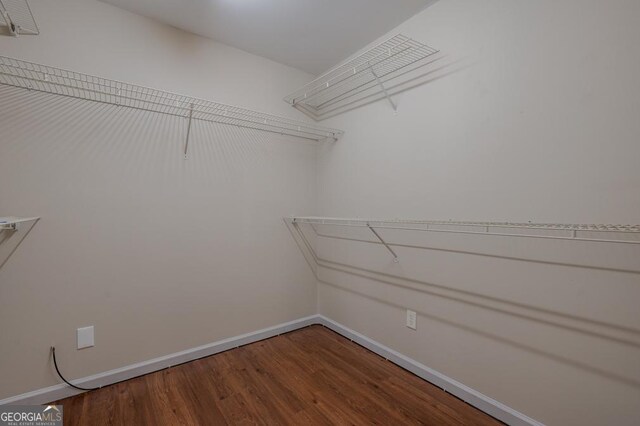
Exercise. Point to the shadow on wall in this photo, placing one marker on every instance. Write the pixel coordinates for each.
(72, 131)
(564, 360)
(58, 147)
(613, 347)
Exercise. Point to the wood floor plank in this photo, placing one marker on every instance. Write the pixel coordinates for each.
(236, 411)
(319, 410)
(425, 392)
(311, 376)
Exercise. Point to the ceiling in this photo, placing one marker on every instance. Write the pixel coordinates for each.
(311, 35)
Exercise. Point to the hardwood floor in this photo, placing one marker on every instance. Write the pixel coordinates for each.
(311, 376)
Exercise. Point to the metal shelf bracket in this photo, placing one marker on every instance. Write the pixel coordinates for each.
(186, 142)
(13, 29)
(384, 89)
(395, 256)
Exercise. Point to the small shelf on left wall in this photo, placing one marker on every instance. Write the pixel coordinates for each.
(11, 222)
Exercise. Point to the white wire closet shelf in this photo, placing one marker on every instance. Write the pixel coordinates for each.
(584, 232)
(12, 222)
(18, 17)
(360, 75)
(43, 78)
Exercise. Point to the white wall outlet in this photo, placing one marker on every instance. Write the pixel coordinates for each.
(412, 320)
(85, 337)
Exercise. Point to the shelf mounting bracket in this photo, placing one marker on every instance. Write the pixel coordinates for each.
(395, 256)
(14, 30)
(384, 89)
(186, 143)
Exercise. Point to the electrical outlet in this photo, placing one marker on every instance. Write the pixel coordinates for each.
(85, 337)
(412, 319)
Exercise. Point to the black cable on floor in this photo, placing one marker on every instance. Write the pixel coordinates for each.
(55, 364)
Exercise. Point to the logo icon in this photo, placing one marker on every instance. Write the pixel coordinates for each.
(31, 415)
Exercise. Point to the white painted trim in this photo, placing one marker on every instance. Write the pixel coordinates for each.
(465, 393)
(52, 393)
(475, 398)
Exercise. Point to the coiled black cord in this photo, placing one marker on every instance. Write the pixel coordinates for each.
(55, 364)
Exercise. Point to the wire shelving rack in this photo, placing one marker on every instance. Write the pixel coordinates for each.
(11, 223)
(43, 78)
(584, 232)
(360, 75)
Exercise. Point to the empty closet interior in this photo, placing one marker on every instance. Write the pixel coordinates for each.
(309, 212)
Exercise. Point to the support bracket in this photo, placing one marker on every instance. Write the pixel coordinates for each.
(186, 143)
(384, 89)
(13, 28)
(395, 256)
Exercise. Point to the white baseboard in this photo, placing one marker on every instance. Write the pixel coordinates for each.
(53, 393)
(478, 400)
(465, 393)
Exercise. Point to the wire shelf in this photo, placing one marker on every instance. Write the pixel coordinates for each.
(43, 78)
(359, 75)
(588, 232)
(12, 222)
(18, 17)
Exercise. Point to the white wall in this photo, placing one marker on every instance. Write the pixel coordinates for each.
(159, 253)
(531, 114)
